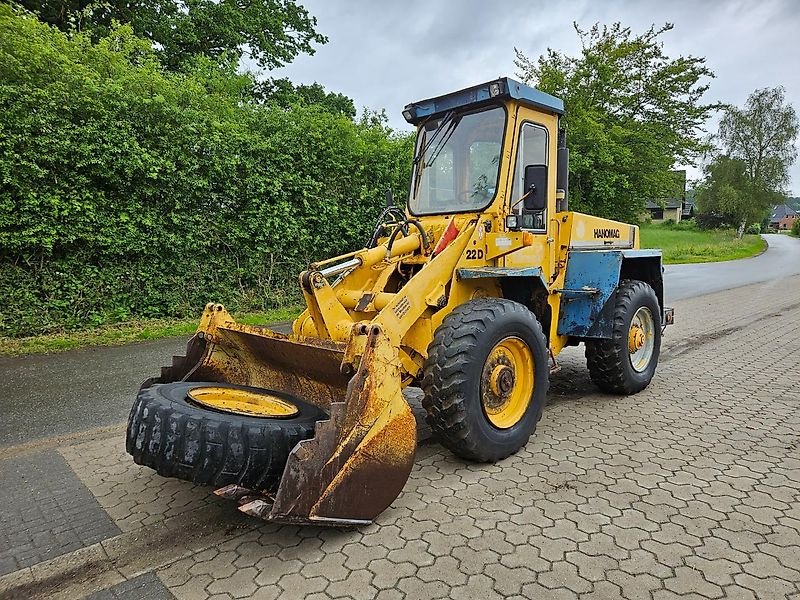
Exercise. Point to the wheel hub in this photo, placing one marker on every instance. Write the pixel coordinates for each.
(635, 338)
(507, 382)
(502, 380)
(243, 402)
(641, 339)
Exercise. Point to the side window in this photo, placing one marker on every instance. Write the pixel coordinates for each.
(532, 150)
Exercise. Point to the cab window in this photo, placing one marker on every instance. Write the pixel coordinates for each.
(532, 150)
(457, 162)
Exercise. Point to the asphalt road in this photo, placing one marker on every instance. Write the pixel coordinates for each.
(782, 259)
(58, 395)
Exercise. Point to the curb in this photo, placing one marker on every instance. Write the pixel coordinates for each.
(117, 559)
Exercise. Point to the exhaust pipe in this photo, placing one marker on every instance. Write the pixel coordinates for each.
(562, 172)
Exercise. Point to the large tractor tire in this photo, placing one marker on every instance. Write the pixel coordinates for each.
(486, 378)
(178, 437)
(626, 363)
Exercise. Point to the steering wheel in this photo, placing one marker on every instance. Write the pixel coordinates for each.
(472, 195)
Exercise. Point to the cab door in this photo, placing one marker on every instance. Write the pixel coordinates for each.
(532, 165)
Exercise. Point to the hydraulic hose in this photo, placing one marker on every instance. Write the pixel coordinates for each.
(399, 227)
(422, 233)
(397, 213)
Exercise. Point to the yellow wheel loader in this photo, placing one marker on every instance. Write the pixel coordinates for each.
(470, 293)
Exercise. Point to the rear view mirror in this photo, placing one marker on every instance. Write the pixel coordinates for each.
(536, 183)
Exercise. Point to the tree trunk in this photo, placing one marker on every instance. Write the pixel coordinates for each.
(740, 231)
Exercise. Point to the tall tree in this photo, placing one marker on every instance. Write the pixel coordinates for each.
(282, 92)
(632, 112)
(272, 32)
(762, 136)
(723, 196)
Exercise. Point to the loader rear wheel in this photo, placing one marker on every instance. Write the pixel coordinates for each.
(626, 363)
(485, 379)
(186, 430)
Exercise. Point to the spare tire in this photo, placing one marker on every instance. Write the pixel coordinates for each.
(171, 433)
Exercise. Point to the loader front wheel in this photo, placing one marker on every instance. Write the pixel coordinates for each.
(626, 363)
(486, 378)
(216, 433)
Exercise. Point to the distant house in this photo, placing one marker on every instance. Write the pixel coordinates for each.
(783, 217)
(671, 208)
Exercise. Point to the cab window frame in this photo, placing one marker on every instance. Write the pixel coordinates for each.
(484, 108)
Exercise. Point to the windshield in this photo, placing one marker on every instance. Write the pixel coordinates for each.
(457, 164)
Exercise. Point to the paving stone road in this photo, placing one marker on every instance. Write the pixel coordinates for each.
(690, 489)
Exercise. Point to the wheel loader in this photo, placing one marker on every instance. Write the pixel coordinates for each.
(470, 292)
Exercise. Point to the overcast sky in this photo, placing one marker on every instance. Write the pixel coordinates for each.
(386, 54)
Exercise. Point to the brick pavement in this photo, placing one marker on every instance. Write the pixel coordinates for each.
(143, 587)
(690, 489)
(38, 491)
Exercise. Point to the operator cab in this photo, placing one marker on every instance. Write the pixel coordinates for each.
(461, 137)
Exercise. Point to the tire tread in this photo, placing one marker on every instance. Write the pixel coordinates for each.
(159, 436)
(444, 376)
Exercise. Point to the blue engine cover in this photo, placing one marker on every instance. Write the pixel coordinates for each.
(591, 279)
(589, 289)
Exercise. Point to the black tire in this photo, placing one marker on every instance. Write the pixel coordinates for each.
(609, 360)
(178, 438)
(453, 371)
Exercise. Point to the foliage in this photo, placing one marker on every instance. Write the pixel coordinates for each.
(631, 113)
(750, 174)
(684, 225)
(135, 330)
(272, 32)
(685, 243)
(762, 136)
(282, 92)
(129, 191)
(709, 220)
(724, 193)
(796, 228)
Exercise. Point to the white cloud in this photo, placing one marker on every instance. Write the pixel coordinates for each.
(386, 54)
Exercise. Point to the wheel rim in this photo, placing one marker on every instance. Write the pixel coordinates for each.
(507, 382)
(243, 402)
(641, 339)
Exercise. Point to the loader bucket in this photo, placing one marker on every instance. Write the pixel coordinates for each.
(360, 458)
(307, 368)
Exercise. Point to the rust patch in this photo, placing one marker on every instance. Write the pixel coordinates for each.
(307, 368)
(359, 459)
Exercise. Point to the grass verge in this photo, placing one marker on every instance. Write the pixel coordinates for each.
(125, 333)
(687, 244)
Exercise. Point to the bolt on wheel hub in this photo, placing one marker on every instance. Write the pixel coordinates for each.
(507, 382)
(250, 403)
(641, 339)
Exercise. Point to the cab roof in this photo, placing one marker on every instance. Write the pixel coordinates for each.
(503, 88)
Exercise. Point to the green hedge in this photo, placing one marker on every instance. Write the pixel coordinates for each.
(127, 191)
